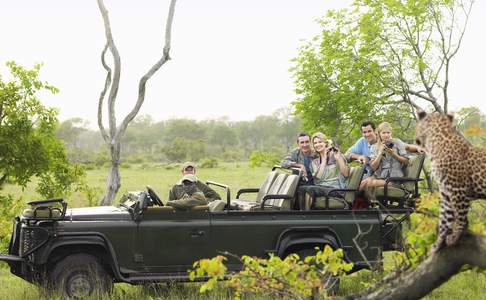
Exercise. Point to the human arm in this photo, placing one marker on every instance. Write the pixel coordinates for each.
(399, 152)
(292, 161)
(414, 148)
(376, 156)
(355, 152)
(208, 192)
(187, 202)
(342, 164)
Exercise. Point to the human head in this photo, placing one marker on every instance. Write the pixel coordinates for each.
(384, 131)
(188, 168)
(303, 141)
(188, 179)
(319, 141)
(368, 131)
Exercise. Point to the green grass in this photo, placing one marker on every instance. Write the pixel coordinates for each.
(161, 179)
(466, 285)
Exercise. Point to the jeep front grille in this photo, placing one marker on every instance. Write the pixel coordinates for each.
(32, 238)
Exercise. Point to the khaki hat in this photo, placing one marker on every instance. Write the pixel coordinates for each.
(188, 164)
(189, 177)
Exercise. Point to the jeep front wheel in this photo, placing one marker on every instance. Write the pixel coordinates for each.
(79, 276)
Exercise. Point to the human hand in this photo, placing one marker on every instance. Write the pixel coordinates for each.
(362, 159)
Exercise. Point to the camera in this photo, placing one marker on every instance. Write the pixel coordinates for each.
(330, 146)
(389, 144)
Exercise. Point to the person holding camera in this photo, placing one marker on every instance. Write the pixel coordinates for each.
(388, 157)
(329, 170)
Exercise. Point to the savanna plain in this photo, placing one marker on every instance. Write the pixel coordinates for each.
(468, 284)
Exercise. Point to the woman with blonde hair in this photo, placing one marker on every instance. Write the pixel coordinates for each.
(388, 157)
(329, 169)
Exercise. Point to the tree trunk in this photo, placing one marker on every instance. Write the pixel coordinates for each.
(434, 271)
(113, 182)
(115, 134)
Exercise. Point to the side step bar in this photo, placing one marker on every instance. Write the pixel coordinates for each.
(7, 258)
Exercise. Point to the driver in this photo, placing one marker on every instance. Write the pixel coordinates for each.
(190, 168)
(186, 194)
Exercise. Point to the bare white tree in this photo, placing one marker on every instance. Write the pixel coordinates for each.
(114, 134)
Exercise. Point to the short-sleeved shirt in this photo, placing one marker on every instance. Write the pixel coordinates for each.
(361, 147)
(297, 156)
(389, 166)
(331, 177)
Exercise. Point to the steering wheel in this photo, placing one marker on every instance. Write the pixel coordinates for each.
(154, 196)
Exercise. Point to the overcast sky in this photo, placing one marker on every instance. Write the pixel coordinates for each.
(229, 58)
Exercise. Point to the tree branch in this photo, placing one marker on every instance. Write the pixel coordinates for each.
(102, 95)
(117, 68)
(434, 271)
(141, 86)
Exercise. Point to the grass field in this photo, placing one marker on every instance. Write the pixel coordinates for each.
(467, 285)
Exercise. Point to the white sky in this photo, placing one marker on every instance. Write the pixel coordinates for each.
(229, 58)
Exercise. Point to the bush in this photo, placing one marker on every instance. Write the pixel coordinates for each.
(232, 155)
(9, 208)
(209, 163)
(292, 277)
(262, 158)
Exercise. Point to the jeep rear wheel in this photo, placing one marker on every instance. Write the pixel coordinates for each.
(79, 276)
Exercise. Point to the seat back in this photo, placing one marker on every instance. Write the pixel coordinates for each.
(265, 187)
(354, 180)
(288, 188)
(413, 170)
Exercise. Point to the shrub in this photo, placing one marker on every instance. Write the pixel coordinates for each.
(232, 155)
(9, 208)
(262, 158)
(291, 277)
(209, 163)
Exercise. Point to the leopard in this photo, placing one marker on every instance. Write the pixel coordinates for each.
(459, 169)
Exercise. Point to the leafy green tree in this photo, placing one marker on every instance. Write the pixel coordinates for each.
(28, 143)
(371, 59)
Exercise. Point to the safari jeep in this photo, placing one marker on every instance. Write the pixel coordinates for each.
(83, 250)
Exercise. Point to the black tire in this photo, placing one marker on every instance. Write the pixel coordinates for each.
(79, 276)
(331, 281)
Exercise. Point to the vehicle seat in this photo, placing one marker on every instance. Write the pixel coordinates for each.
(273, 188)
(287, 188)
(395, 195)
(335, 202)
(216, 205)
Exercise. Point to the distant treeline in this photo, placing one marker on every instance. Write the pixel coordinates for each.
(177, 140)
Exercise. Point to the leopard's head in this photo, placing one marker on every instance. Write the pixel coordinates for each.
(428, 125)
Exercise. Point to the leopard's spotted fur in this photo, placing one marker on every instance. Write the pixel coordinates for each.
(458, 167)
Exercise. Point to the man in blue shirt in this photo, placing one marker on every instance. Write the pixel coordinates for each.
(361, 150)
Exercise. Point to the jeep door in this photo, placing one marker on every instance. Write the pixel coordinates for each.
(170, 241)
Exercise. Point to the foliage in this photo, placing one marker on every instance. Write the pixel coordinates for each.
(374, 60)
(28, 144)
(290, 277)
(262, 158)
(9, 208)
(209, 163)
(177, 140)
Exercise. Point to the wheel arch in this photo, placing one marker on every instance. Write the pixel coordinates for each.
(294, 239)
(92, 244)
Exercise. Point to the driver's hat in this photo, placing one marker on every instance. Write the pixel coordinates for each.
(189, 177)
(188, 164)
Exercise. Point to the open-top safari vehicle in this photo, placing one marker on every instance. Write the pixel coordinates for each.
(82, 250)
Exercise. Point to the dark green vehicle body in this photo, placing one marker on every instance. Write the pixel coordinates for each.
(155, 244)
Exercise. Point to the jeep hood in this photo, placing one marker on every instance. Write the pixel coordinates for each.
(97, 213)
